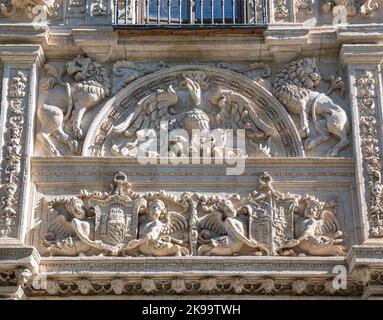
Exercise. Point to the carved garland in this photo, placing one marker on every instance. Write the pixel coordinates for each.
(371, 152)
(12, 158)
(179, 286)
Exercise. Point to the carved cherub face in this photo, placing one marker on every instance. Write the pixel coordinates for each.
(376, 189)
(312, 209)
(78, 209)
(155, 208)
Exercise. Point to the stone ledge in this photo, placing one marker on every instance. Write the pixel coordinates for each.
(360, 256)
(16, 257)
(191, 266)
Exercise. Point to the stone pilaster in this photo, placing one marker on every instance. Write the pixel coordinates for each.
(16, 137)
(363, 64)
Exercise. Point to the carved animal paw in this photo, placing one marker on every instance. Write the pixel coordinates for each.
(79, 134)
(332, 153)
(53, 152)
(74, 147)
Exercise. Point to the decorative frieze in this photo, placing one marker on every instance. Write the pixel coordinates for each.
(194, 287)
(370, 151)
(264, 222)
(12, 157)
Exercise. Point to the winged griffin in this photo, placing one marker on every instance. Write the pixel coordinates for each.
(223, 109)
(294, 87)
(67, 101)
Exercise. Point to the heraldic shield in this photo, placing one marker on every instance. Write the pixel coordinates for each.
(116, 219)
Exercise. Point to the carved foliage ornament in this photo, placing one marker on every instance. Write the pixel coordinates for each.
(123, 222)
(210, 286)
(371, 151)
(31, 8)
(295, 89)
(364, 8)
(12, 163)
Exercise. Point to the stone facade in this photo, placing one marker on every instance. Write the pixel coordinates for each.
(228, 160)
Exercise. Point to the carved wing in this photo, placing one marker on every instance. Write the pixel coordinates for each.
(59, 228)
(327, 224)
(236, 112)
(175, 222)
(149, 112)
(213, 221)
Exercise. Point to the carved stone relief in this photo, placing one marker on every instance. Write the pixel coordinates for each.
(370, 150)
(30, 8)
(12, 156)
(177, 95)
(98, 8)
(295, 89)
(336, 84)
(222, 103)
(363, 8)
(76, 8)
(304, 5)
(281, 9)
(66, 95)
(206, 286)
(123, 222)
(125, 72)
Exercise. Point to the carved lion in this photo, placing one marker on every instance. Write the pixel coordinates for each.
(294, 88)
(89, 87)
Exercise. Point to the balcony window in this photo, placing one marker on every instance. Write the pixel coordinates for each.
(190, 12)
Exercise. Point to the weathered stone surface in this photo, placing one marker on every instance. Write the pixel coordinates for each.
(209, 162)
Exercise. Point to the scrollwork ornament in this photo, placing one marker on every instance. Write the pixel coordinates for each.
(13, 156)
(370, 151)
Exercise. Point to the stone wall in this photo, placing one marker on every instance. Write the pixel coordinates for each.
(130, 158)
